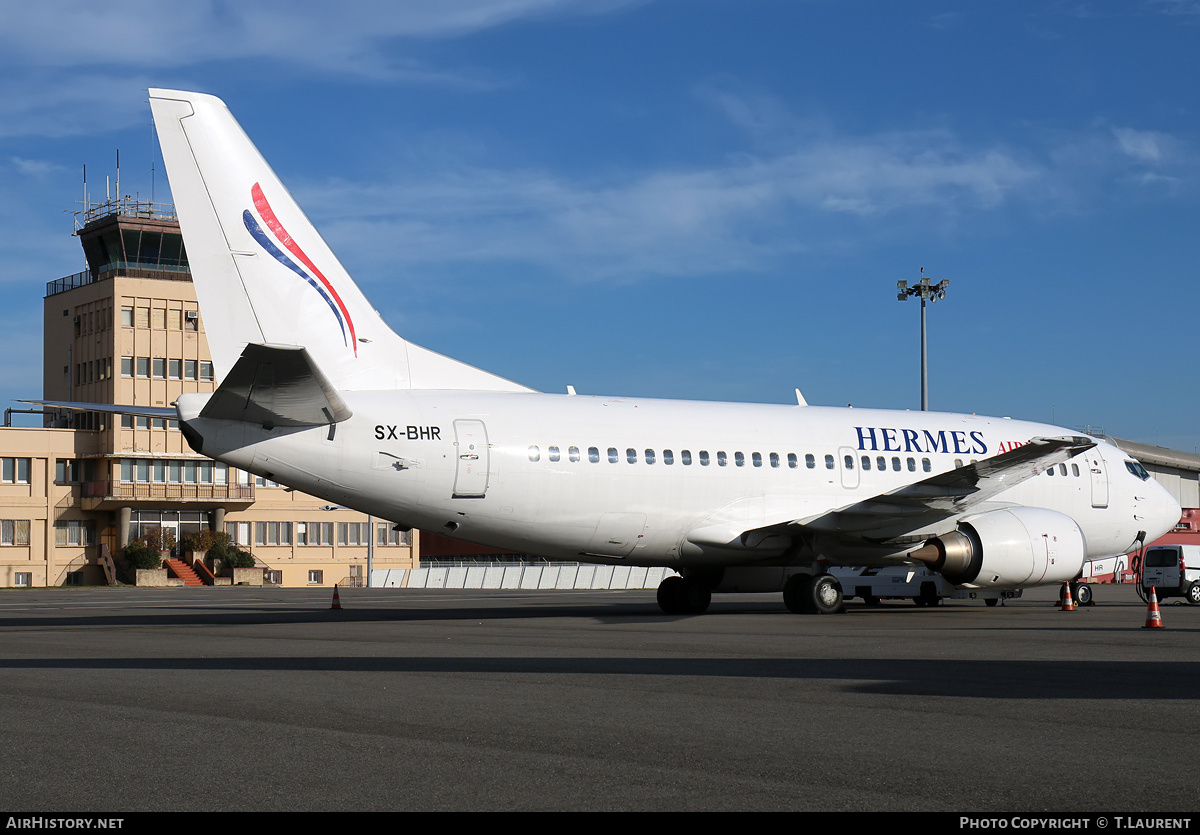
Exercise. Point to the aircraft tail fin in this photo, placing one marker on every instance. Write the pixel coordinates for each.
(263, 274)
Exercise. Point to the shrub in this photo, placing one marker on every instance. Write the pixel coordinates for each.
(140, 555)
(230, 555)
(160, 539)
(205, 540)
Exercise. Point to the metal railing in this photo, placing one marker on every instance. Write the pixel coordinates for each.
(160, 491)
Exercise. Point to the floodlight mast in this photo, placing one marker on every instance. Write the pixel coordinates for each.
(925, 290)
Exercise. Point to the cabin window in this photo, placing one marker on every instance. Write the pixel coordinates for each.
(594, 455)
(849, 461)
(810, 461)
(793, 463)
(613, 456)
(912, 465)
(1062, 469)
(534, 453)
(573, 453)
(757, 459)
(552, 453)
(631, 455)
(686, 457)
(829, 462)
(722, 458)
(957, 462)
(866, 462)
(704, 458)
(1050, 471)
(775, 459)
(1075, 470)
(739, 459)
(668, 457)
(926, 465)
(896, 463)
(649, 456)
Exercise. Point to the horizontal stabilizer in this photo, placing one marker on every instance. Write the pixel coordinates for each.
(276, 385)
(164, 412)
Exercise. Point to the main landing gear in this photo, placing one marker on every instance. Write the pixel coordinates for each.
(684, 596)
(808, 594)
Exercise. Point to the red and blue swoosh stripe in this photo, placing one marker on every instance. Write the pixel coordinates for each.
(319, 283)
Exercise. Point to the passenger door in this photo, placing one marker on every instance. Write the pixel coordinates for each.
(471, 459)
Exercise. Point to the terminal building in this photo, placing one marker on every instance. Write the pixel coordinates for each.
(128, 331)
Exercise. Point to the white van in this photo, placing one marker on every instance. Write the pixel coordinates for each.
(1174, 571)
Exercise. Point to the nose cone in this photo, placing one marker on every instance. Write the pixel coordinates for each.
(1161, 511)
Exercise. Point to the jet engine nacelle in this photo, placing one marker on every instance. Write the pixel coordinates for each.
(1020, 546)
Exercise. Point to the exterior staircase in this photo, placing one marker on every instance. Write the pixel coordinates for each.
(184, 572)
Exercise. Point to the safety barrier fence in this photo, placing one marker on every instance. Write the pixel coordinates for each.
(527, 577)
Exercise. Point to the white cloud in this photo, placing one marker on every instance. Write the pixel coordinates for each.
(343, 36)
(1143, 145)
(741, 215)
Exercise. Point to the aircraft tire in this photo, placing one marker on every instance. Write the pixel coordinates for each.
(1082, 594)
(805, 594)
(670, 596)
(794, 591)
(683, 596)
(825, 595)
(991, 601)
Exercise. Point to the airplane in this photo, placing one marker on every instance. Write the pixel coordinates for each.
(317, 393)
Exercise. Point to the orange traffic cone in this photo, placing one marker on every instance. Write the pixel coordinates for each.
(1153, 618)
(1068, 605)
(337, 604)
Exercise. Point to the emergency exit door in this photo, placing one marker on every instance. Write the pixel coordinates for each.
(471, 459)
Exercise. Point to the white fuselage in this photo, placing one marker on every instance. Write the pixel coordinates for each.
(611, 479)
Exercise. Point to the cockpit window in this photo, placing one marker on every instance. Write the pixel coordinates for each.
(1137, 469)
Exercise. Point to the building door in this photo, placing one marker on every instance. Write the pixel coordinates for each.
(471, 459)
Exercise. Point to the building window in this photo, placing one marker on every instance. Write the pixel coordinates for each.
(23, 579)
(352, 533)
(14, 532)
(315, 578)
(14, 470)
(74, 532)
(386, 534)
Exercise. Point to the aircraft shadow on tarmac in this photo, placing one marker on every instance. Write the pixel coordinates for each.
(985, 678)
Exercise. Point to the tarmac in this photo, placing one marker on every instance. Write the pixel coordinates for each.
(123, 700)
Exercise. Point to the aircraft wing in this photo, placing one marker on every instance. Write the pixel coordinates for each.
(947, 494)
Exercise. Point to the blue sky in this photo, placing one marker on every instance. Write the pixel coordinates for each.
(710, 199)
